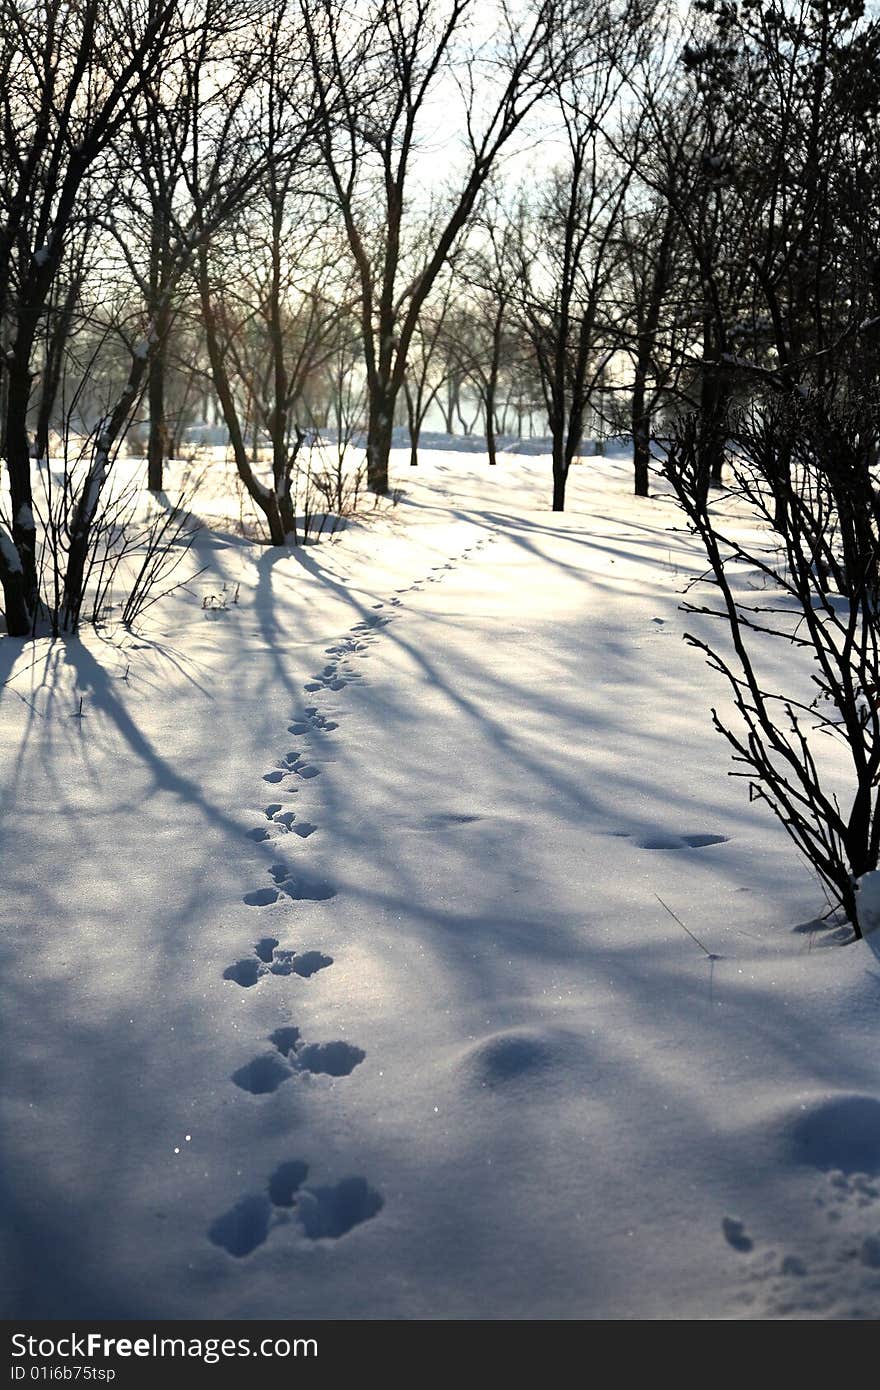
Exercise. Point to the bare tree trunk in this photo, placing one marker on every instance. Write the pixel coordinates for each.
(452, 390)
(18, 615)
(380, 427)
(560, 471)
(641, 433)
(714, 395)
(490, 424)
(413, 421)
(264, 497)
(157, 446)
(281, 458)
(18, 460)
(492, 383)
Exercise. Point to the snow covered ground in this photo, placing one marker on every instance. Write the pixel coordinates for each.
(335, 977)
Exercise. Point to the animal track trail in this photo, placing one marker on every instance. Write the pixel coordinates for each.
(437, 572)
(339, 671)
(328, 1211)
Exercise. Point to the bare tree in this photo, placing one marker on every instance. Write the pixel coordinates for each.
(653, 292)
(797, 311)
(294, 327)
(378, 82)
(428, 362)
(487, 342)
(99, 103)
(71, 76)
(567, 262)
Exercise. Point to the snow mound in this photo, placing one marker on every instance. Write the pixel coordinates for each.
(839, 1133)
(511, 1056)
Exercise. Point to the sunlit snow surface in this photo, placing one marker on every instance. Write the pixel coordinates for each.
(337, 980)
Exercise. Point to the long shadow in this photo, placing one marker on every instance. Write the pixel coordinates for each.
(93, 678)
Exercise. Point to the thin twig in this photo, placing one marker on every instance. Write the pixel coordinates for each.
(685, 929)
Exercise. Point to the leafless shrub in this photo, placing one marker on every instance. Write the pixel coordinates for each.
(132, 560)
(808, 521)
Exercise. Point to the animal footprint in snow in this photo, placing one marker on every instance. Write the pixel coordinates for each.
(263, 1075)
(261, 897)
(269, 958)
(662, 840)
(326, 1213)
(283, 821)
(285, 1040)
(328, 679)
(314, 722)
(298, 885)
(242, 1229)
(316, 684)
(262, 832)
(833, 1272)
(266, 1073)
(349, 646)
(244, 972)
(306, 965)
(735, 1234)
(323, 1213)
(287, 821)
(330, 1059)
(293, 764)
(286, 1181)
